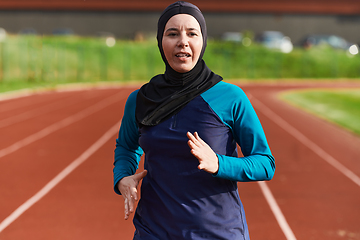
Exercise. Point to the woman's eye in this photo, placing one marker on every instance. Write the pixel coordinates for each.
(172, 34)
(192, 34)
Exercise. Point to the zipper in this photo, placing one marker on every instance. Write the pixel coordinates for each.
(173, 122)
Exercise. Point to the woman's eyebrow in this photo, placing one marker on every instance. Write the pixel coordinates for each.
(171, 29)
(176, 29)
(192, 29)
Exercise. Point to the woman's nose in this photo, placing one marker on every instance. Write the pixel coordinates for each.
(183, 41)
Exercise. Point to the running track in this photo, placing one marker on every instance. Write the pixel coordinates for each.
(56, 153)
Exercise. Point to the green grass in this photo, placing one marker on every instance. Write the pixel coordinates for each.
(339, 106)
(17, 85)
(47, 61)
(77, 59)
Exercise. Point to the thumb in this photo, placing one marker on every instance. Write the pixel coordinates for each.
(140, 175)
(200, 166)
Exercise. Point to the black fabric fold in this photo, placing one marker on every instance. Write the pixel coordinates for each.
(161, 98)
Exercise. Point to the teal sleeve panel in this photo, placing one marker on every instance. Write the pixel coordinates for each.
(127, 151)
(233, 107)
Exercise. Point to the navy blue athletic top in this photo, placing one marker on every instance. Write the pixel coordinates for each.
(179, 201)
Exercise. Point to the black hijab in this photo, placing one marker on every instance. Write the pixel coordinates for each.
(166, 94)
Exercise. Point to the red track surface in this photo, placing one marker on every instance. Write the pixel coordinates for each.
(317, 200)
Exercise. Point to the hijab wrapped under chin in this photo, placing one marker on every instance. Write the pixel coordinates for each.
(166, 94)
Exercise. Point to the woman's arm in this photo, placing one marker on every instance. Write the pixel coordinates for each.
(127, 152)
(238, 114)
(127, 158)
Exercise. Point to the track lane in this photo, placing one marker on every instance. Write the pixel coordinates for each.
(318, 200)
(79, 205)
(335, 140)
(261, 221)
(85, 210)
(63, 100)
(18, 104)
(18, 131)
(25, 171)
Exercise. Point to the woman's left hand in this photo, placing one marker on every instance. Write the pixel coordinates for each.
(208, 161)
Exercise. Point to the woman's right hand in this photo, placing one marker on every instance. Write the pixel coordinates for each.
(128, 189)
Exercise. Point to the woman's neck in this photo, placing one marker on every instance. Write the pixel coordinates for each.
(177, 78)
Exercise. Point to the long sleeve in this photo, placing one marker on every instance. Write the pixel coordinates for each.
(238, 114)
(127, 152)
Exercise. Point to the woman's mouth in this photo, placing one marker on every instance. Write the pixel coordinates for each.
(182, 55)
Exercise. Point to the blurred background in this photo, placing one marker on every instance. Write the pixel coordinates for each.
(114, 40)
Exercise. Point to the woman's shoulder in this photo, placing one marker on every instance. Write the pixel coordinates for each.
(130, 104)
(225, 89)
(132, 97)
(133, 94)
(225, 96)
(227, 100)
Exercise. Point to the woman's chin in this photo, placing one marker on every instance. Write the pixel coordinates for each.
(182, 68)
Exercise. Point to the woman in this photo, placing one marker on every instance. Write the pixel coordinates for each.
(187, 121)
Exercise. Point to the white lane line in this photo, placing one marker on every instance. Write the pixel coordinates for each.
(56, 180)
(277, 211)
(61, 124)
(35, 112)
(9, 95)
(306, 141)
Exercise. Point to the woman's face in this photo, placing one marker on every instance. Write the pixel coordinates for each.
(182, 42)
